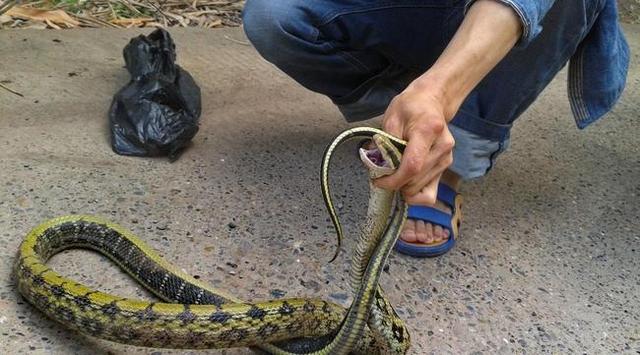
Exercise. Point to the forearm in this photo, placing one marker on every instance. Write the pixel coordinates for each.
(488, 32)
(419, 114)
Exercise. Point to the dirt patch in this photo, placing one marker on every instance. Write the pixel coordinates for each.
(629, 11)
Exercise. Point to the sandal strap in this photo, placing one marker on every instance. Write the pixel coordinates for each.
(447, 195)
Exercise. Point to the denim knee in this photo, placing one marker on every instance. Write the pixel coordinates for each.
(260, 26)
(273, 27)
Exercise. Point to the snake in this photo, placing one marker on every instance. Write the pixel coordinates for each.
(194, 315)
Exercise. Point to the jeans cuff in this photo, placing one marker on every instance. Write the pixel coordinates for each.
(474, 155)
(480, 126)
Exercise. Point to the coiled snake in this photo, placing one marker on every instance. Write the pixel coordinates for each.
(195, 315)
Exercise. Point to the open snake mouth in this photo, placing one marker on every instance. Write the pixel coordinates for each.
(376, 163)
(375, 157)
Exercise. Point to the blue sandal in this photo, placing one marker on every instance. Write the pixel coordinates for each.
(451, 222)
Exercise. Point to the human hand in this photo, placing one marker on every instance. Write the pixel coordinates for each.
(419, 116)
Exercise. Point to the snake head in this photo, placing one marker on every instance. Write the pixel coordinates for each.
(382, 157)
(389, 148)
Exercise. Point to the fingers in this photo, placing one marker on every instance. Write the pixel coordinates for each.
(421, 163)
(417, 158)
(435, 166)
(412, 164)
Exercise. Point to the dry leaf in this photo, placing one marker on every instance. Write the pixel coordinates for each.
(51, 24)
(56, 17)
(204, 12)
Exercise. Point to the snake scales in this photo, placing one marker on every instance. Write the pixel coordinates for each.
(195, 315)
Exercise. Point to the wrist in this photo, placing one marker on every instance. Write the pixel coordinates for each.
(443, 88)
(489, 31)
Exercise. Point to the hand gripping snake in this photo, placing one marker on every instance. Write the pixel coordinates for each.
(196, 316)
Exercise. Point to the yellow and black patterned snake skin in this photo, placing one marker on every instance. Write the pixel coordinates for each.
(195, 315)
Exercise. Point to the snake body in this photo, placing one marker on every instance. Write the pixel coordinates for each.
(196, 315)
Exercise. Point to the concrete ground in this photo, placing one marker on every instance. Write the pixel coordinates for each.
(547, 262)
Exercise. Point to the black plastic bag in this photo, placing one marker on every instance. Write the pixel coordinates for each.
(157, 112)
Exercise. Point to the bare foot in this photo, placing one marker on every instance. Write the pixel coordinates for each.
(418, 231)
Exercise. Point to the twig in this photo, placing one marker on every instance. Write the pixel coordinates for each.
(164, 16)
(6, 5)
(113, 12)
(131, 7)
(11, 91)
(88, 19)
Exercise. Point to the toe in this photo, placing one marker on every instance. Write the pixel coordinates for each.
(409, 231)
(428, 235)
(421, 231)
(438, 234)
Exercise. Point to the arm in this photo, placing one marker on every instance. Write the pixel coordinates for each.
(421, 112)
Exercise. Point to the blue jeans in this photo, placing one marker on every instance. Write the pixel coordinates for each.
(362, 53)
